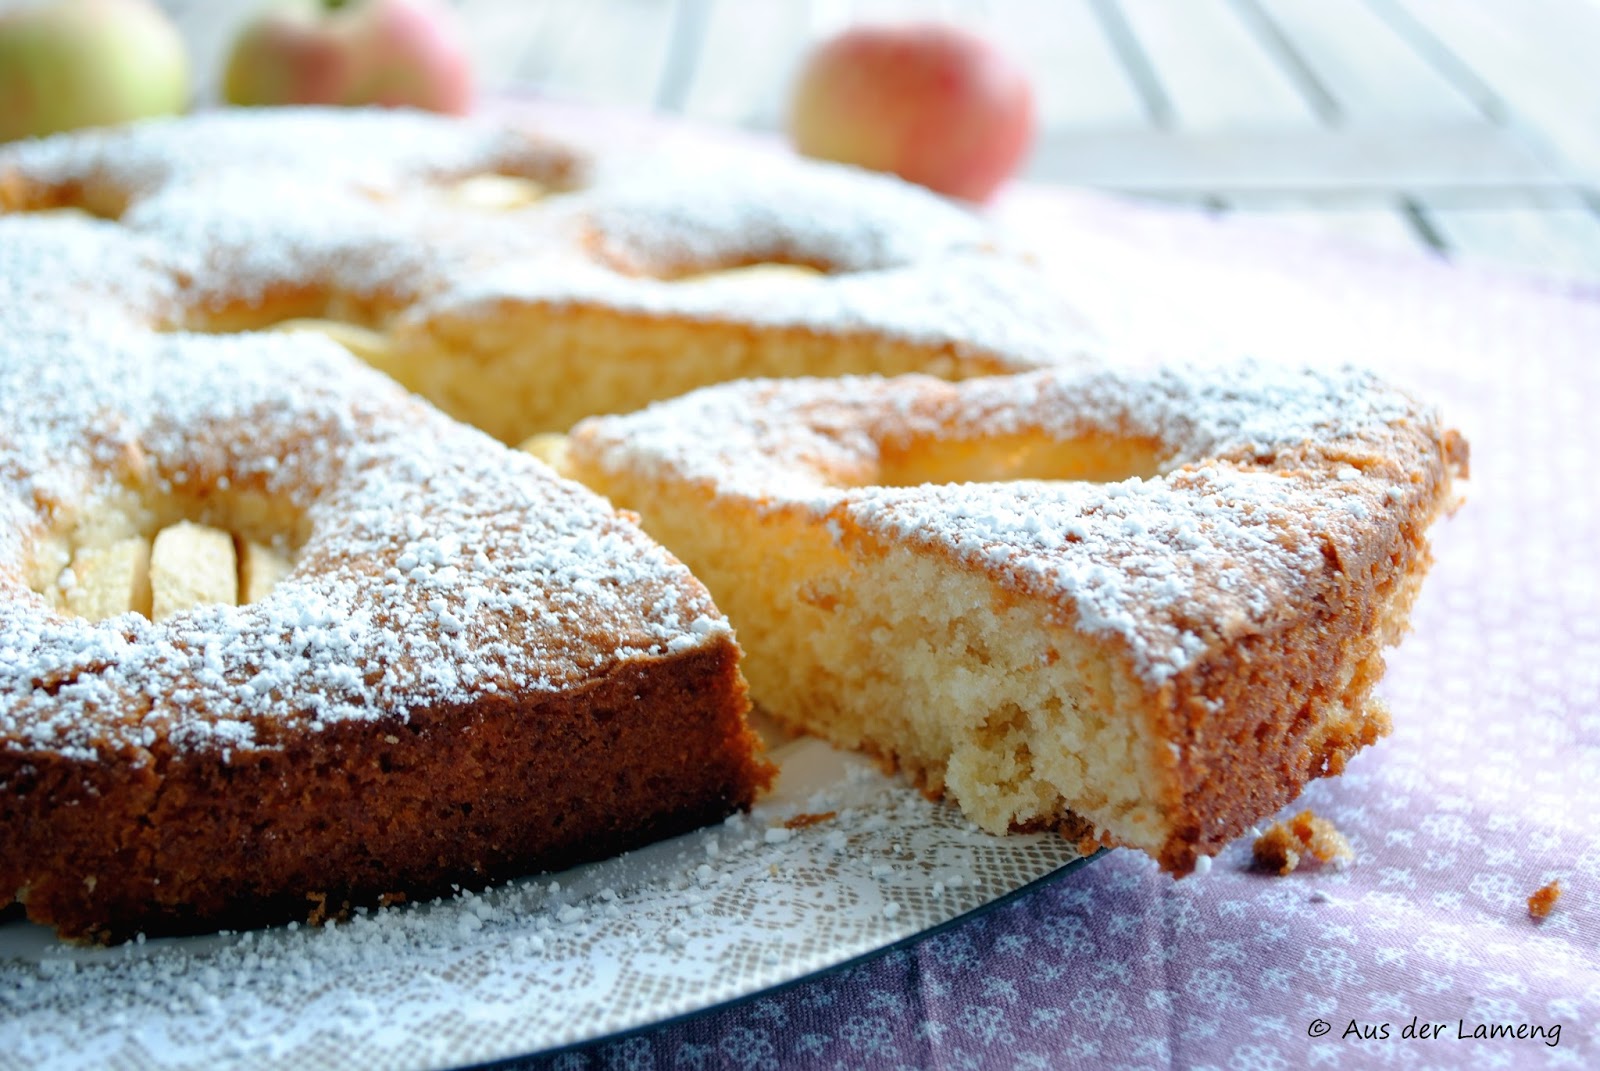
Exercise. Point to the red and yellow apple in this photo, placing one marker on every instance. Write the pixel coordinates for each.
(400, 53)
(66, 64)
(931, 103)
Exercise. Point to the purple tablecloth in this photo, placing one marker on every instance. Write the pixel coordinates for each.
(1486, 790)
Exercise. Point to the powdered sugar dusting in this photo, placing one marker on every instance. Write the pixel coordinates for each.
(977, 304)
(738, 207)
(437, 567)
(378, 148)
(897, 261)
(57, 273)
(346, 206)
(1259, 472)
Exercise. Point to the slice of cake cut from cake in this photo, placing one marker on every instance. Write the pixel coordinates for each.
(1154, 603)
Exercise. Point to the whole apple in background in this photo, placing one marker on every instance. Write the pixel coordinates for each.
(933, 104)
(65, 64)
(402, 53)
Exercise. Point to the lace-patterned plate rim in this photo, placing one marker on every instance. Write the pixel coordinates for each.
(839, 865)
(900, 945)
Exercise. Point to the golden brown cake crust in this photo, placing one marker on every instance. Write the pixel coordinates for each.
(1257, 693)
(177, 841)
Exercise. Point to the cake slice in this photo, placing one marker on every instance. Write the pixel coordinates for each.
(1150, 605)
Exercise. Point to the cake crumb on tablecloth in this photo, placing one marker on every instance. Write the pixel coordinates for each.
(1543, 901)
(1285, 844)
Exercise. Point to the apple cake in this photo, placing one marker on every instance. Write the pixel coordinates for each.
(274, 635)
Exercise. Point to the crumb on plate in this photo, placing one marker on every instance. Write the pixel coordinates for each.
(801, 821)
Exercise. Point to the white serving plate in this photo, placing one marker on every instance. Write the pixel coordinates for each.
(538, 964)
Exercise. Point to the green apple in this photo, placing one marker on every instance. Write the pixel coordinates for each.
(71, 63)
